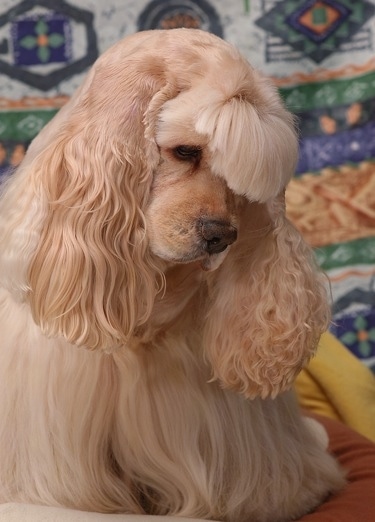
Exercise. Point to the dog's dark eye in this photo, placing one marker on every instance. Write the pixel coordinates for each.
(187, 152)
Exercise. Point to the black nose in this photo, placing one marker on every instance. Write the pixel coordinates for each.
(217, 235)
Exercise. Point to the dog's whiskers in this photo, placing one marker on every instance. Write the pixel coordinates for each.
(259, 232)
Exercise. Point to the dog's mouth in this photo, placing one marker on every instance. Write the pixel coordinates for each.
(206, 262)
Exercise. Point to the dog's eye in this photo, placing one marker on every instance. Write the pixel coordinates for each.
(187, 152)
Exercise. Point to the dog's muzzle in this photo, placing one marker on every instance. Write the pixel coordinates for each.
(217, 235)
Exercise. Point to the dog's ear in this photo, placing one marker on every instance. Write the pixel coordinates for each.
(268, 305)
(78, 226)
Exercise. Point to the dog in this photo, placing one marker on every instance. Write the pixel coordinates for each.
(156, 304)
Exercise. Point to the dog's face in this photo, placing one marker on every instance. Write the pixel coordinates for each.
(192, 215)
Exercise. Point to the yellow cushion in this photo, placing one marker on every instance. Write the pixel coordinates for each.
(336, 384)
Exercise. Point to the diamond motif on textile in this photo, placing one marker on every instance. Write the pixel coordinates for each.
(316, 28)
(318, 20)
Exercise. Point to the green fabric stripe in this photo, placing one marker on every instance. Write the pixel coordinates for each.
(329, 93)
(351, 253)
(23, 125)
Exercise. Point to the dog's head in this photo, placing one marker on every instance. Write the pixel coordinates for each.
(173, 151)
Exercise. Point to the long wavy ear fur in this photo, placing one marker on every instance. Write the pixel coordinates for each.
(79, 230)
(90, 278)
(268, 305)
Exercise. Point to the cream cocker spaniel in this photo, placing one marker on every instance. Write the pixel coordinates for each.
(155, 302)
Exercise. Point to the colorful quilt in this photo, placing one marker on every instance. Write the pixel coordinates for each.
(320, 54)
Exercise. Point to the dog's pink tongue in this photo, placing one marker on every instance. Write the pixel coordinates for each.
(205, 264)
(210, 263)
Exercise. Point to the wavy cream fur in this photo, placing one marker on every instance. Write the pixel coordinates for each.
(140, 372)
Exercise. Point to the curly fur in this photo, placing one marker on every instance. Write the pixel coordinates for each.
(140, 370)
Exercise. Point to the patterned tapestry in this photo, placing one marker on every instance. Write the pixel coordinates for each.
(319, 53)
